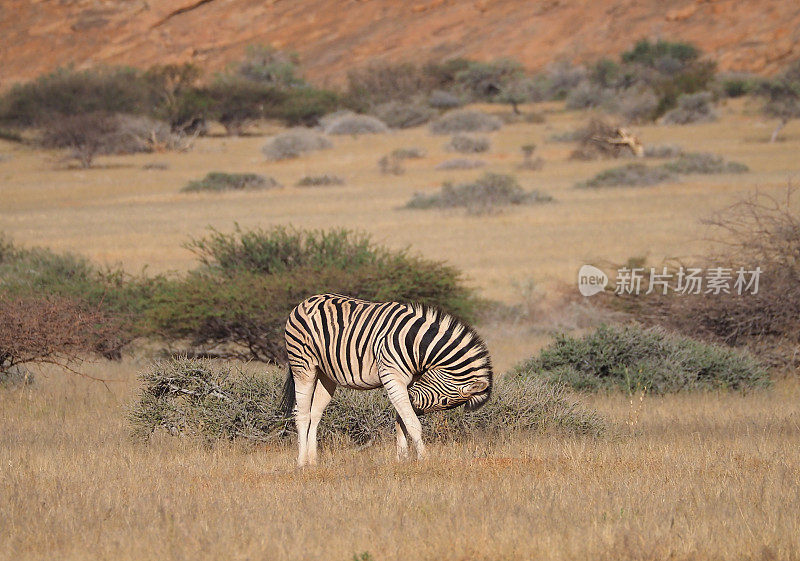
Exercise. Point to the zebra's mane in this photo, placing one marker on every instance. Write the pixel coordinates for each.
(459, 326)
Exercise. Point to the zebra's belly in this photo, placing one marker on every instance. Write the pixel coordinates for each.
(363, 378)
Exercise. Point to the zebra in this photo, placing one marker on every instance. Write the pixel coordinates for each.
(425, 358)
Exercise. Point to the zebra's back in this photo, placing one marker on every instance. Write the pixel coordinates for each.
(340, 335)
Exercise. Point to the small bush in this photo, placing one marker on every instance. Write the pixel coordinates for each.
(355, 125)
(460, 163)
(53, 330)
(528, 161)
(320, 180)
(398, 115)
(86, 135)
(293, 143)
(560, 79)
(588, 95)
(738, 84)
(160, 166)
(440, 99)
(635, 105)
(692, 108)
(268, 65)
(468, 144)
(634, 358)
(631, 175)
(218, 401)
(411, 153)
(483, 195)
(220, 181)
(138, 134)
(704, 163)
(663, 151)
(393, 163)
(91, 134)
(465, 120)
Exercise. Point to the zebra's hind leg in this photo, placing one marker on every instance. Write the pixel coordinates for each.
(323, 392)
(402, 438)
(304, 386)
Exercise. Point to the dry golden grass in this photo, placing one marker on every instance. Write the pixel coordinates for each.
(705, 476)
(121, 212)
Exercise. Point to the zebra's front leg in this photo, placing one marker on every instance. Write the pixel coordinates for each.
(323, 392)
(398, 395)
(402, 439)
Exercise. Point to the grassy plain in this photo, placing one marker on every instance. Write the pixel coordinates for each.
(703, 476)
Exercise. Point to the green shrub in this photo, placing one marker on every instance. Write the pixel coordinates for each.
(633, 358)
(651, 54)
(268, 65)
(738, 84)
(220, 181)
(702, 162)
(630, 175)
(218, 401)
(70, 92)
(483, 195)
(468, 144)
(238, 301)
(411, 153)
(304, 106)
(320, 180)
(483, 81)
(237, 101)
(782, 96)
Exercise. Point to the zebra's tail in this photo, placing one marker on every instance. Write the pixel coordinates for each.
(288, 400)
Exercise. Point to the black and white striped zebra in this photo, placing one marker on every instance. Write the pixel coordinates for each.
(426, 359)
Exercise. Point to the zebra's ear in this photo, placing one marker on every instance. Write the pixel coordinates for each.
(476, 387)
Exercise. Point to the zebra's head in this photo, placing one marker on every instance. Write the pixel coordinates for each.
(438, 390)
